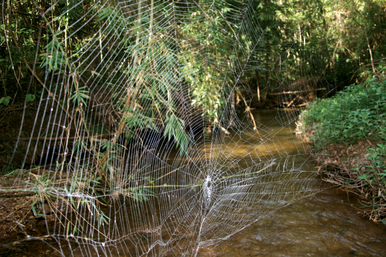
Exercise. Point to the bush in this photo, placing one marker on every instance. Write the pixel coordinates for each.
(357, 113)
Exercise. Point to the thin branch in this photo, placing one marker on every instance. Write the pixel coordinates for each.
(295, 92)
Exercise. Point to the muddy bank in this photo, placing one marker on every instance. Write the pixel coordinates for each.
(349, 166)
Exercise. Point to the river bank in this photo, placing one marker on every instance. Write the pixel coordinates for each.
(347, 134)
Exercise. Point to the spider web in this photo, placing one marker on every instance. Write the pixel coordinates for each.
(118, 184)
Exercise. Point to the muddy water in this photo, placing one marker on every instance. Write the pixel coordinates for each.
(325, 224)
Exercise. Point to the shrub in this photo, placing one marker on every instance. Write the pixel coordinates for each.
(357, 113)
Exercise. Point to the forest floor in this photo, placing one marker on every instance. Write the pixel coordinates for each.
(18, 224)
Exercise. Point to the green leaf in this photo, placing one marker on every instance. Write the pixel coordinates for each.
(80, 95)
(175, 129)
(34, 211)
(74, 230)
(5, 100)
(30, 98)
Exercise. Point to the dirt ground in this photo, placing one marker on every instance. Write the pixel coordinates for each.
(17, 221)
(18, 227)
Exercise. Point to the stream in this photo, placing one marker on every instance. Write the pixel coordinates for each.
(324, 224)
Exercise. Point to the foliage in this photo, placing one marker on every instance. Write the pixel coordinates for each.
(373, 176)
(354, 114)
(5, 100)
(338, 39)
(154, 57)
(377, 157)
(175, 129)
(210, 37)
(320, 39)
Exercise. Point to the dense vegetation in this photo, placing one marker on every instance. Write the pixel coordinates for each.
(331, 39)
(93, 78)
(354, 114)
(352, 127)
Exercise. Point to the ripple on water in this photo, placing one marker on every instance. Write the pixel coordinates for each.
(322, 225)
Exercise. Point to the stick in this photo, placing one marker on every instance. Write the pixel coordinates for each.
(294, 92)
(52, 138)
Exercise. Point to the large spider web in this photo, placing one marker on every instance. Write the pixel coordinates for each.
(118, 189)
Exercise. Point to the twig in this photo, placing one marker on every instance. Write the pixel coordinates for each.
(248, 110)
(103, 136)
(13, 194)
(295, 92)
(289, 105)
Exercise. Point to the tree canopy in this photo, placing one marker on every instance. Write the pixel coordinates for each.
(335, 40)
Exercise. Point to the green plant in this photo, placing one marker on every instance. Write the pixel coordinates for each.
(30, 98)
(354, 114)
(5, 100)
(376, 174)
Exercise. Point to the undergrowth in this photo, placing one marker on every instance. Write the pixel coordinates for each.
(357, 113)
(353, 117)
